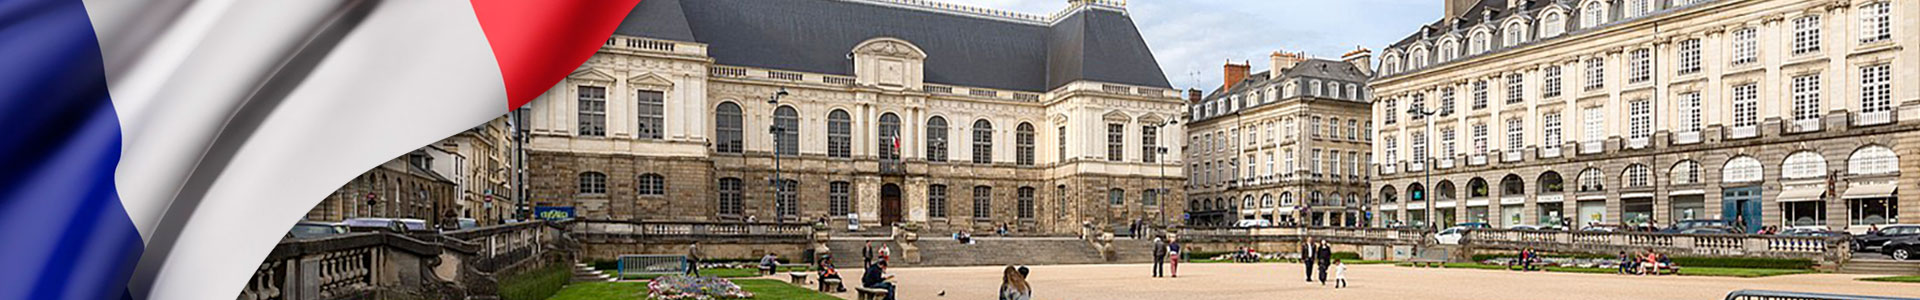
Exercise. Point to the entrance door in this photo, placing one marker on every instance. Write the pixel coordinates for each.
(1741, 208)
(889, 204)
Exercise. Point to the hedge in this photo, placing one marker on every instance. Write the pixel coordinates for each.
(1712, 262)
(535, 284)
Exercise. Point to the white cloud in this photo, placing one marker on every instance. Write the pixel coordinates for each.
(1192, 39)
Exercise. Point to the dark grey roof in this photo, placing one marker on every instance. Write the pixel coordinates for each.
(1311, 68)
(816, 35)
(1474, 16)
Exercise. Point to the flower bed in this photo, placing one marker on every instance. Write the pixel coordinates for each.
(687, 287)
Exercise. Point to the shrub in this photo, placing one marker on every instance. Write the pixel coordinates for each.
(535, 284)
(1710, 262)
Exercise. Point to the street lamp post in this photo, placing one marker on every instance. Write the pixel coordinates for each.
(1161, 155)
(776, 131)
(1427, 163)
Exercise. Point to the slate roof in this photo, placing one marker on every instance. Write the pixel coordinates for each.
(965, 50)
(1473, 17)
(1312, 68)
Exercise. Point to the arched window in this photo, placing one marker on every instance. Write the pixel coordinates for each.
(1445, 190)
(1551, 183)
(1416, 192)
(1388, 195)
(1553, 25)
(1803, 165)
(839, 198)
(889, 136)
(1481, 42)
(1116, 197)
(839, 134)
(1592, 180)
(1638, 176)
(1024, 205)
(727, 125)
(1247, 202)
(1512, 185)
(593, 183)
(787, 134)
(982, 142)
(1477, 188)
(937, 139)
(1741, 169)
(731, 203)
(1516, 33)
(1593, 14)
(786, 200)
(982, 202)
(937, 201)
(1023, 144)
(652, 185)
(1874, 159)
(1449, 50)
(1266, 200)
(1685, 172)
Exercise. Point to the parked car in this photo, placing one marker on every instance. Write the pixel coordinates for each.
(1710, 230)
(1475, 225)
(1253, 223)
(1450, 236)
(1873, 240)
(414, 224)
(311, 229)
(466, 223)
(1902, 248)
(1604, 228)
(1689, 224)
(375, 225)
(1812, 231)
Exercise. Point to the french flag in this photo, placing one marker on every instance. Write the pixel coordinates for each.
(158, 149)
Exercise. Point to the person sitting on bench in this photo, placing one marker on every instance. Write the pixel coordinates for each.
(825, 264)
(876, 277)
(769, 263)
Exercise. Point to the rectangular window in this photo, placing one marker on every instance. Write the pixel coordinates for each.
(1876, 22)
(1061, 145)
(1392, 149)
(982, 143)
(1596, 74)
(937, 201)
(1876, 88)
(731, 203)
(1689, 112)
(652, 114)
(1746, 46)
(1023, 144)
(1480, 138)
(1515, 88)
(1690, 56)
(786, 200)
(1419, 102)
(1639, 121)
(1550, 84)
(1352, 127)
(1746, 105)
(1117, 197)
(1333, 163)
(1806, 98)
(982, 202)
(1596, 129)
(1479, 94)
(1419, 146)
(1149, 144)
(1116, 141)
(593, 111)
(1640, 66)
(1313, 127)
(1025, 205)
(1287, 159)
(1446, 101)
(1550, 130)
(1393, 111)
(1806, 34)
(1150, 197)
(839, 196)
(1446, 142)
(1313, 163)
(1516, 132)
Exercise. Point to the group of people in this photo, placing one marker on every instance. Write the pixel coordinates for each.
(1321, 254)
(1645, 263)
(1138, 228)
(1163, 249)
(1528, 260)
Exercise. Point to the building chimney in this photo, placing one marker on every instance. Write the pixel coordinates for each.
(1193, 96)
(1234, 74)
(1456, 8)
(1360, 58)
(1514, 5)
(1281, 61)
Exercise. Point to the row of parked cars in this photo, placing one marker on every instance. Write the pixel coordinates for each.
(312, 229)
(1901, 241)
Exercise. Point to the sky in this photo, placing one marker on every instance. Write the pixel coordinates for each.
(1192, 39)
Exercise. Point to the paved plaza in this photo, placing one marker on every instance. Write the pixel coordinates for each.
(1257, 281)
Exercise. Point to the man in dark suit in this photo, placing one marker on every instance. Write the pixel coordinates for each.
(876, 278)
(1306, 256)
(1159, 257)
(1325, 256)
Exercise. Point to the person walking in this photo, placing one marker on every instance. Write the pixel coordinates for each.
(1013, 284)
(1159, 257)
(1324, 255)
(1306, 256)
(1173, 250)
(866, 254)
(693, 259)
(1339, 274)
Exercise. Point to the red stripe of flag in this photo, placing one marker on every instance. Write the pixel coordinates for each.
(537, 43)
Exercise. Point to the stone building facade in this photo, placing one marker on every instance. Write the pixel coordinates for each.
(478, 162)
(404, 187)
(1288, 145)
(1570, 113)
(887, 111)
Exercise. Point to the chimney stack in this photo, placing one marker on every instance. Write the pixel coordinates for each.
(1193, 96)
(1234, 74)
(1514, 5)
(1456, 8)
(1281, 61)
(1360, 58)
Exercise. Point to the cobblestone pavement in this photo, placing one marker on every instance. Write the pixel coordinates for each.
(1257, 281)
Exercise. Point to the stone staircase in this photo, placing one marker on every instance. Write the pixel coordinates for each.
(583, 272)
(991, 251)
(1881, 266)
(1128, 251)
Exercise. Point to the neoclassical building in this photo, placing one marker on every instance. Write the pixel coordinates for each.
(1288, 145)
(1760, 112)
(888, 111)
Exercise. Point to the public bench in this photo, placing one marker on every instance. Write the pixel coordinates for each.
(866, 293)
(1433, 257)
(831, 285)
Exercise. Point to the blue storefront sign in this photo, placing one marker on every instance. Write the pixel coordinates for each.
(553, 213)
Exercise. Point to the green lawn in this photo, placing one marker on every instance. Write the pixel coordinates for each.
(1685, 271)
(761, 289)
(722, 273)
(1907, 279)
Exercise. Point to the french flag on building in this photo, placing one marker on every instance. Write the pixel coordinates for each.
(158, 149)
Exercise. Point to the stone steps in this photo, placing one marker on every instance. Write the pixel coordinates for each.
(583, 272)
(1883, 267)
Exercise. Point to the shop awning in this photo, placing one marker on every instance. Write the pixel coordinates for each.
(1801, 193)
(1860, 190)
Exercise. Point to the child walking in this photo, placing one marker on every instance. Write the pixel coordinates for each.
(1339, 274)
